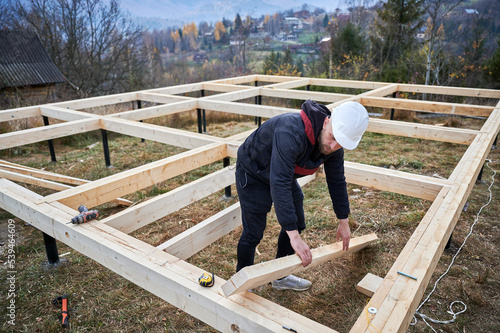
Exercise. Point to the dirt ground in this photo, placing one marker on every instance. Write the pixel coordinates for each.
(102, 301)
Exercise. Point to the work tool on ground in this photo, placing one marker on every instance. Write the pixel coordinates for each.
(206, 280)
(62, 301)
(84, 216)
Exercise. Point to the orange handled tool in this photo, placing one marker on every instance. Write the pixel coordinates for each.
(65, 315)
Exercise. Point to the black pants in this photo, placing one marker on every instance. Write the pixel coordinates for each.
(255, 200)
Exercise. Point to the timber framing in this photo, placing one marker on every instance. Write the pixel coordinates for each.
(163, 271)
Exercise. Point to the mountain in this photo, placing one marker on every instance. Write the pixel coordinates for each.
(156, 13)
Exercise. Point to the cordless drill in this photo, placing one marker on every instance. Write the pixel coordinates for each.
(84, 216)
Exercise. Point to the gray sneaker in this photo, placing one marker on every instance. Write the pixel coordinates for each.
(292, 282)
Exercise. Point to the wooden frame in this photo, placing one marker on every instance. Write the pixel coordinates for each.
(162, 270)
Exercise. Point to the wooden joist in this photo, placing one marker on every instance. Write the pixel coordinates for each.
(20, 113)
(265, 272)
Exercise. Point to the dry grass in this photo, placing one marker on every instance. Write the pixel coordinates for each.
(103, 301)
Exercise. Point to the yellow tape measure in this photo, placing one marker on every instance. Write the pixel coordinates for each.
(206, 280)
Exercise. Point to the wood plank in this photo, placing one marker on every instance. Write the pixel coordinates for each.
(153, 209)
(454, 91)
(157, 111)
(24, 137)
(79, 104)
(19, 113)
(422, 131)
(395, 181)
(161, 98)
(112, 187)
(223, 87)
(65, 114)
(242, 108)
(237, 80)
(163, 275)
(296, 83)
(196, 238)
(233, 95)
(369, 284)
(369, 85)
(302, 94)
(166, 135)
(259, 274)
(180, 89)
(425, 106)
(47, 179)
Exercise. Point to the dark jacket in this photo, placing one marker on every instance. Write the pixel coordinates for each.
(285, 148)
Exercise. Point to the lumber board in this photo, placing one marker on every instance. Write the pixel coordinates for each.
(157, 111)
(237, 80)
(162, 274)
(33, 135)
(369, 284)
(33, 180)
(180, 89)
(422, 131)
(454, 91)
(161, 98)
(368, 85)
(395, 181)
(302, 94)
(425, 106)
(64, 114)
(97, 101)
(114, 186)
(290, 84)
(233, 95)
(242, 108)
(276, 78)
(224, 87)
(160, 206)
(166, 135)
(195, 239)
(265, 272)
(19, 113)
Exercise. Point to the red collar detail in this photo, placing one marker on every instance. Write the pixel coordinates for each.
(308, 127)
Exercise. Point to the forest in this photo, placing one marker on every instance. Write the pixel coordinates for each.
(101, 50)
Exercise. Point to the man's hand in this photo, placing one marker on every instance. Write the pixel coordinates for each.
(300, 247)
(344, 232)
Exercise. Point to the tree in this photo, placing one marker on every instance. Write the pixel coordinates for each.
(220, 32)
(396, 30)
(94, 44)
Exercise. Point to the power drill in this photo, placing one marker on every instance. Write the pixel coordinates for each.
(84, 216)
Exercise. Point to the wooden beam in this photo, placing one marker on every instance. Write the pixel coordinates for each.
(302, 94)
(204, 233)
(170, 136)
(259, 274)
(369, 284)
(180, 89)
(241, 108)
(237, 80)
(157, 111)
(156, 271)
(33, 180)
(161, 98)
(20, 113)
(422, 131)
(20, 138)
(222, 87)
(290, 84)
(453, 91)
(395, 181)
(112, 187)
(156, 208)
(233, 95)
(97, 101)
(65, 114)
(425, 106)
(368, 85)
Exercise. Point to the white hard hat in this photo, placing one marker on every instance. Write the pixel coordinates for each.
(349, 122)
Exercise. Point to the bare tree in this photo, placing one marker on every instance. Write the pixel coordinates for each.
(96, 46)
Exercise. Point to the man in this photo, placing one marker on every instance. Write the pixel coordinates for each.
(270, 160)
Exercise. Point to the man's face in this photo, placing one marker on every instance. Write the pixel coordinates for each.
(326, 140)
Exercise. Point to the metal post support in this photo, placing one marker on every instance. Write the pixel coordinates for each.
(51, 248)
(480, 176)
(51, 145)
(200, 130)
(203, 114)
(259, 119)
(449, 242)
(105, 147)
(139, 106)
(494, 143)
(227, 190)
(308, 87)
(256, 83)
(392, 110)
